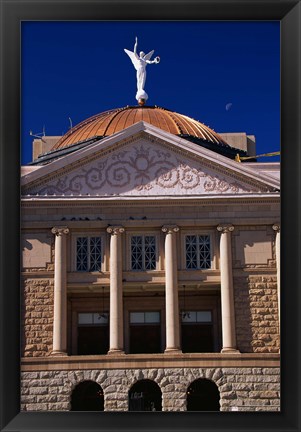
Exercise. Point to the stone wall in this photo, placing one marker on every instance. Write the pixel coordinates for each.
(256, 312)
(37, 317)
(241, 389)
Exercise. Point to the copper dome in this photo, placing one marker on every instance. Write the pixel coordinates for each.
(109, 122)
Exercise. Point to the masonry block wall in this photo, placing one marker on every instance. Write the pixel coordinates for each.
(37, 317)
(256, 312)
(241, 389)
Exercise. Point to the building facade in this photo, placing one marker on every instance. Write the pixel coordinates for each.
(150, 270)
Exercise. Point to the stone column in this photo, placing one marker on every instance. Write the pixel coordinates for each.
(171, 290)
(60, 292)
(116, 302)
(227, 297)
(276, 228)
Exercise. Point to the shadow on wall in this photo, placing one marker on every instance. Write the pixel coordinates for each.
(243, 315)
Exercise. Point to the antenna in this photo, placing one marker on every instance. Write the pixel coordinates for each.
(70, 122)
(39, 135)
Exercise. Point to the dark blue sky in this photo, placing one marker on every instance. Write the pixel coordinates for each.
(78, 69)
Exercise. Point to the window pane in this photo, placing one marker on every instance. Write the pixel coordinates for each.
(150, 252)
(198, 252)
(95, 254)
(101, 318)
(143, 253)
(82, 254)
(204, 252)
(88, 254)
(204, 316)
(136, 253)
(191, 252)
(137, 317)
(188, 316)
(85, 318)
(152, 317)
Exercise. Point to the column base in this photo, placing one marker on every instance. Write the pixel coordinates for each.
(173, 351)
(58, 354)
(115, 352)
(230, 351)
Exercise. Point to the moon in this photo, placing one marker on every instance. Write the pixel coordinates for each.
(228, 106)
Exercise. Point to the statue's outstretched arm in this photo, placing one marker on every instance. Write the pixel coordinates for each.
(135, 46)
(156, 60)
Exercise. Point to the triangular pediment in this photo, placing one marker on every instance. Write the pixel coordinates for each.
(145, 161)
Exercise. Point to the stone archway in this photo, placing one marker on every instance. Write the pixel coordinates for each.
(203, 395)
(145, 395)
(87, 396)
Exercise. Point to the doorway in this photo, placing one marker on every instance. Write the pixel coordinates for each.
(92, 333)
(145, 395)
(203, 395)
(145, 332)
(87, 396)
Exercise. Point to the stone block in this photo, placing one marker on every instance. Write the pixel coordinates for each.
(28, 399)
(39, 390)
(169, 388)
(266, 408)
(229, 395)
(37, 407)
(226, 387)
(56, 382)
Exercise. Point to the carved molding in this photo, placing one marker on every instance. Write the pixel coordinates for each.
(59, 231)
(170, 229)
(225, 228)
(115, 230)
(276, 227)
(148, 202)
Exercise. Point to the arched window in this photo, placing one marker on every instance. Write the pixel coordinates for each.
(87, 396)
(145, 395)
(203, 395)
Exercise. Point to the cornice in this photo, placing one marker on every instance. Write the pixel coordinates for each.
(149, 201)
(154, 223)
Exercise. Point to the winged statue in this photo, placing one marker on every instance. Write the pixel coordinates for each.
(140, 62)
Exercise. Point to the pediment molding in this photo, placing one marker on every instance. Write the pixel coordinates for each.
(185, 168)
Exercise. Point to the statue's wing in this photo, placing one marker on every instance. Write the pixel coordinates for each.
(133, 57)
(148, 56)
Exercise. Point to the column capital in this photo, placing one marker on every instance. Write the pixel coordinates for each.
(170, 229)
(59, 231)
(276, 227)
(115, 230)
(224, 228)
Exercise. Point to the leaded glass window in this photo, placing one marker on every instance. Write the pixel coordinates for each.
(88, 254)
(143, 252)
(198, 252)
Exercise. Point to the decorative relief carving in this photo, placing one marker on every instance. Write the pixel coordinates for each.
(214, 184)
(276, 227)
(225, 228)
(140, 168)
(59, 231)
(115, 230)
(170, 229)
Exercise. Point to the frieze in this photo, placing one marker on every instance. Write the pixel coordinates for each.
(140, 169)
